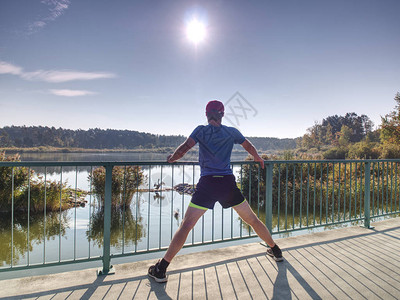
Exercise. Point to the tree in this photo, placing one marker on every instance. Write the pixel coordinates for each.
(328, 132)
(335, 122)
(345, 136)
(315, 136)
(5, 139)
(390, 127)
(329, 136)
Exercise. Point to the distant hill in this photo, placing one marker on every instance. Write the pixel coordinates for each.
(37, 136)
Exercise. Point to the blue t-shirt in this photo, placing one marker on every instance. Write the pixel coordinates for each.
(216, 145)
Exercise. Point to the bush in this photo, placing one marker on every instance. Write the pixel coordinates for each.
(288, 155)
(125, 181)
(18, 184)
(363, 150)
(302, 150)
(36, 192)
(10, 177)
(390, 151)
(335, 153)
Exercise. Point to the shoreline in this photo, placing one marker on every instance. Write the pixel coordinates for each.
(42, 149)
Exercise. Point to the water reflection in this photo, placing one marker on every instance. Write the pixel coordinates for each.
(125, 228)
(22, 240)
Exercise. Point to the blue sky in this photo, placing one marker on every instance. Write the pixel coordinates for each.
(279, 66)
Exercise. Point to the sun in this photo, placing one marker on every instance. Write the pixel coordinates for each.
(196, 31)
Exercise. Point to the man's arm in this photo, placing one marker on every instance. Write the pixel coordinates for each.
(252, 151)
(181, 150)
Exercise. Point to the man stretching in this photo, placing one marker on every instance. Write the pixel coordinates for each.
(217, 184)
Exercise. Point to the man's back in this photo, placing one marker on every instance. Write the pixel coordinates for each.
(216, 143)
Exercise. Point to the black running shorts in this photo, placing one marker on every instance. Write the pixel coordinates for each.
(216, 188)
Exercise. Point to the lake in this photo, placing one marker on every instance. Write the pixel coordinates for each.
(119, 156)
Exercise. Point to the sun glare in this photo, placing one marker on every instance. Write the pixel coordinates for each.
(196, 31)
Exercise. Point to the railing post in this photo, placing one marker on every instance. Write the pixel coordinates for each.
(268, 196)
(107, 267)
(367, 195)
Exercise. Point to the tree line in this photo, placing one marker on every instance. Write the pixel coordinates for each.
(336, 130)
(36, 136)
(42, 136)
(353, 136)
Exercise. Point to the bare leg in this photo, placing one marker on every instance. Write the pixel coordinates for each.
(246, 213)
(192, 215)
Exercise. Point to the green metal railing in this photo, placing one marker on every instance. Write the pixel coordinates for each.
(287, 195)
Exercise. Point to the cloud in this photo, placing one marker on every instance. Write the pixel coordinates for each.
(64, 76)
(55, 9)
(53, 76)
(71, 93)
(7, 68)
(38, 24)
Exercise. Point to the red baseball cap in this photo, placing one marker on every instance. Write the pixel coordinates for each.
(215, 105)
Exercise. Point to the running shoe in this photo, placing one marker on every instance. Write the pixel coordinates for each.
(157, 274)
(275, 252)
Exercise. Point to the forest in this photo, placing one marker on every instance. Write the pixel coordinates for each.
(42, 136)
(39, 136)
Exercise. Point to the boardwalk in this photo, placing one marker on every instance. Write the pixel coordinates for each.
(348, 263)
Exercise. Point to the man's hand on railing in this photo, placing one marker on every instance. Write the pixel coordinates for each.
(260, 160)
(248, 146)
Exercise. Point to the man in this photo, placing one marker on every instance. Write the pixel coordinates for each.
(217, 184)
